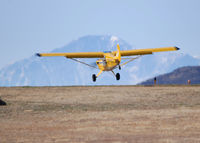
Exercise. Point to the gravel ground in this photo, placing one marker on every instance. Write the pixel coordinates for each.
(116, 114)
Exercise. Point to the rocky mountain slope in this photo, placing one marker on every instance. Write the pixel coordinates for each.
(178, 76)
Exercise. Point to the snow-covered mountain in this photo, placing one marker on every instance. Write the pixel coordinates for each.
(59, 71)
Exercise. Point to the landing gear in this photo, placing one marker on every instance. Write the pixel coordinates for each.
(117, 76)
(119, 67)
(94, 77)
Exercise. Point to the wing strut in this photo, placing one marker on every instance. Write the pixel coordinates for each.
(83, 63)
(131, 59)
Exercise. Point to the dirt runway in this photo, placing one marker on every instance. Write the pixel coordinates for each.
(116, 114)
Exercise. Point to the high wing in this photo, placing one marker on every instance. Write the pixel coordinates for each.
(146, 51)
(74, 55)
(101, 54)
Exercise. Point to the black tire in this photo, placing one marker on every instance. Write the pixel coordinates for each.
(117, 76)
(94, 77)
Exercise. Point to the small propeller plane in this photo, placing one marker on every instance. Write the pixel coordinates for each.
(109, 60)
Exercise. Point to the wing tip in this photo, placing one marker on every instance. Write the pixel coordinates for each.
(177, 48)
(38, 54)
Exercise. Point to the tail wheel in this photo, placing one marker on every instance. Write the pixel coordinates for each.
(117, 76)
(94, 77)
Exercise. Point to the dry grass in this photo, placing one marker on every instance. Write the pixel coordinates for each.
(167, 114)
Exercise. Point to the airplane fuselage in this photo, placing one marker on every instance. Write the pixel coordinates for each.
(108, 63)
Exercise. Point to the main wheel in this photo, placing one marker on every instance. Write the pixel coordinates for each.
(94, 77)
(117, 76)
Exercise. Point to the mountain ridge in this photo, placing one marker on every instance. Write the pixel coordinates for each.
(178, 76)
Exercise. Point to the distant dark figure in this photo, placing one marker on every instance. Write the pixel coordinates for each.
(189, 82)
(155, 80)
(2, 103)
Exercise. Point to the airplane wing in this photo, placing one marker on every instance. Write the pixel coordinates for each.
(101, 54)
(74, 55)
(146, 51)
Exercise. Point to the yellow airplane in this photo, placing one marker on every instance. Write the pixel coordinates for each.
(109, 60)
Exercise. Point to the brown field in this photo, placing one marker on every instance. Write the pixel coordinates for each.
(117, 114)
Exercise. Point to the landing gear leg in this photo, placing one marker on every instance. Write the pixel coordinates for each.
(94, 77)
(117, 75)
(119, 67)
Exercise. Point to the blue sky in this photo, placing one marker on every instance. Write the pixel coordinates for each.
(30, 26)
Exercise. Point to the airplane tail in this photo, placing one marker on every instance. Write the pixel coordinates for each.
(118, 54)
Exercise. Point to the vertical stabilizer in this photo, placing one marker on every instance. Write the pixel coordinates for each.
(118, 54)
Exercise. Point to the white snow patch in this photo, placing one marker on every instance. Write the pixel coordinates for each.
(103, 38)
(10, 75)
(114, 38)
(26, 82)
(22, 73)
(133, 69)
(46, 69)
(135, 79)
(196, 57)
(164, 60)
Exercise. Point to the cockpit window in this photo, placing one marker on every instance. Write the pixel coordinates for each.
(102, 62)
